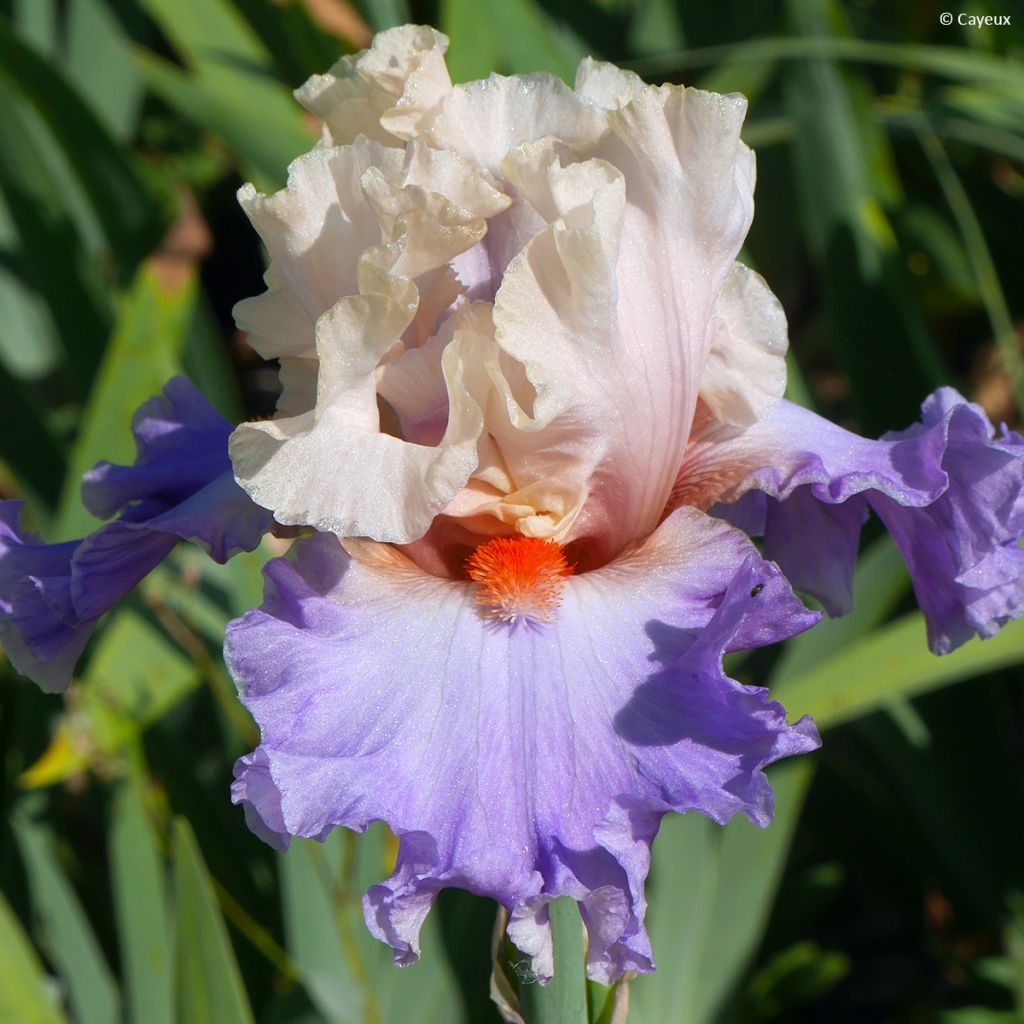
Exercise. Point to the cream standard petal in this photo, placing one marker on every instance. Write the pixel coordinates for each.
(315, 230)
(606, 85)
(610, 307)
(745, 375)
(385, 92)
(484, 121)
(332, 467)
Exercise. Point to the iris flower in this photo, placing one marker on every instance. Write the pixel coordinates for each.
(532, 410)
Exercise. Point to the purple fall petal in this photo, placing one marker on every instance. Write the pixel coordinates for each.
(180, 486)
(519, 762)
(950, 491)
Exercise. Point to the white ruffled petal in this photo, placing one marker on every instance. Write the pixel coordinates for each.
(351, 258)
(606, 85)
(332, 467)
(484, 121)
(384, 93)
(317, 228)
(745, 375)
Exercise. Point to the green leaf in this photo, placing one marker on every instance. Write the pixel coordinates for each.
(26, 996)
(36, 21)
(709, 896)
(140, 900)
(893, 662)
(847, 188)
(55, 245)
(229, 88)
(30, 449)
(314, 925)
(27, 345)
(953, 62)
(143, 354)
(383, 14)
(134, 677)
(100, 64)
(992, 296)
(515, 36)
(795, 977)
(122, 204)
(209, 984)
(70, 942)
(476, 47)
(564, 999)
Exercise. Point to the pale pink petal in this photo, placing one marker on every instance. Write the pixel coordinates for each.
(745, 375)
(385, 92)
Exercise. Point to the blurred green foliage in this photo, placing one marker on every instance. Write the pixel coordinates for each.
(891, 886)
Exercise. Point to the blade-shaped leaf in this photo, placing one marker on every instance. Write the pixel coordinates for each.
(100, 64)
(314, 924)
(71, 943)
(515, 36)
(134, 677)
(123, 205)
(564, 999)
(144, 353)
(229, 88)
(893, 662)
(26, 996)
(140, 899)
(209, 985)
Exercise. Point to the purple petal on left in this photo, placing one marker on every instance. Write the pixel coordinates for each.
(519, 762)
(38, 627)
(180, 486)
(183, 474)
(52, 595)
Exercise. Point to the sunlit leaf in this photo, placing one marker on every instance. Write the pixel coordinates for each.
(70, 941)
(144, 353)
(891, 662)
(100, 64)
(209, 986)
(229, 88)
(26, 996)
(140, 900)
(134, 677)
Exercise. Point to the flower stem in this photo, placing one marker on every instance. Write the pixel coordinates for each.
(564, 999)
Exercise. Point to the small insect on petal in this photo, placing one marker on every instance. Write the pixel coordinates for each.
(519, 578)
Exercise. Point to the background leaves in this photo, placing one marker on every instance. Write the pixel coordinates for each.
(891, 886)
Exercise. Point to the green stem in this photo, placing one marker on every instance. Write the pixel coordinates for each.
(564, 999)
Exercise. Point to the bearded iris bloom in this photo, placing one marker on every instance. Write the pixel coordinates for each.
(532, 410)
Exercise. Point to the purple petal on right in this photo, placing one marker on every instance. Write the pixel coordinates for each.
(963, 550)
(949, 490)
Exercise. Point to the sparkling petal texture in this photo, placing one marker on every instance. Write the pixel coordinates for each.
(520, 363)
(458, 253)
(180, 486)
(949, 490)
(522, 763)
